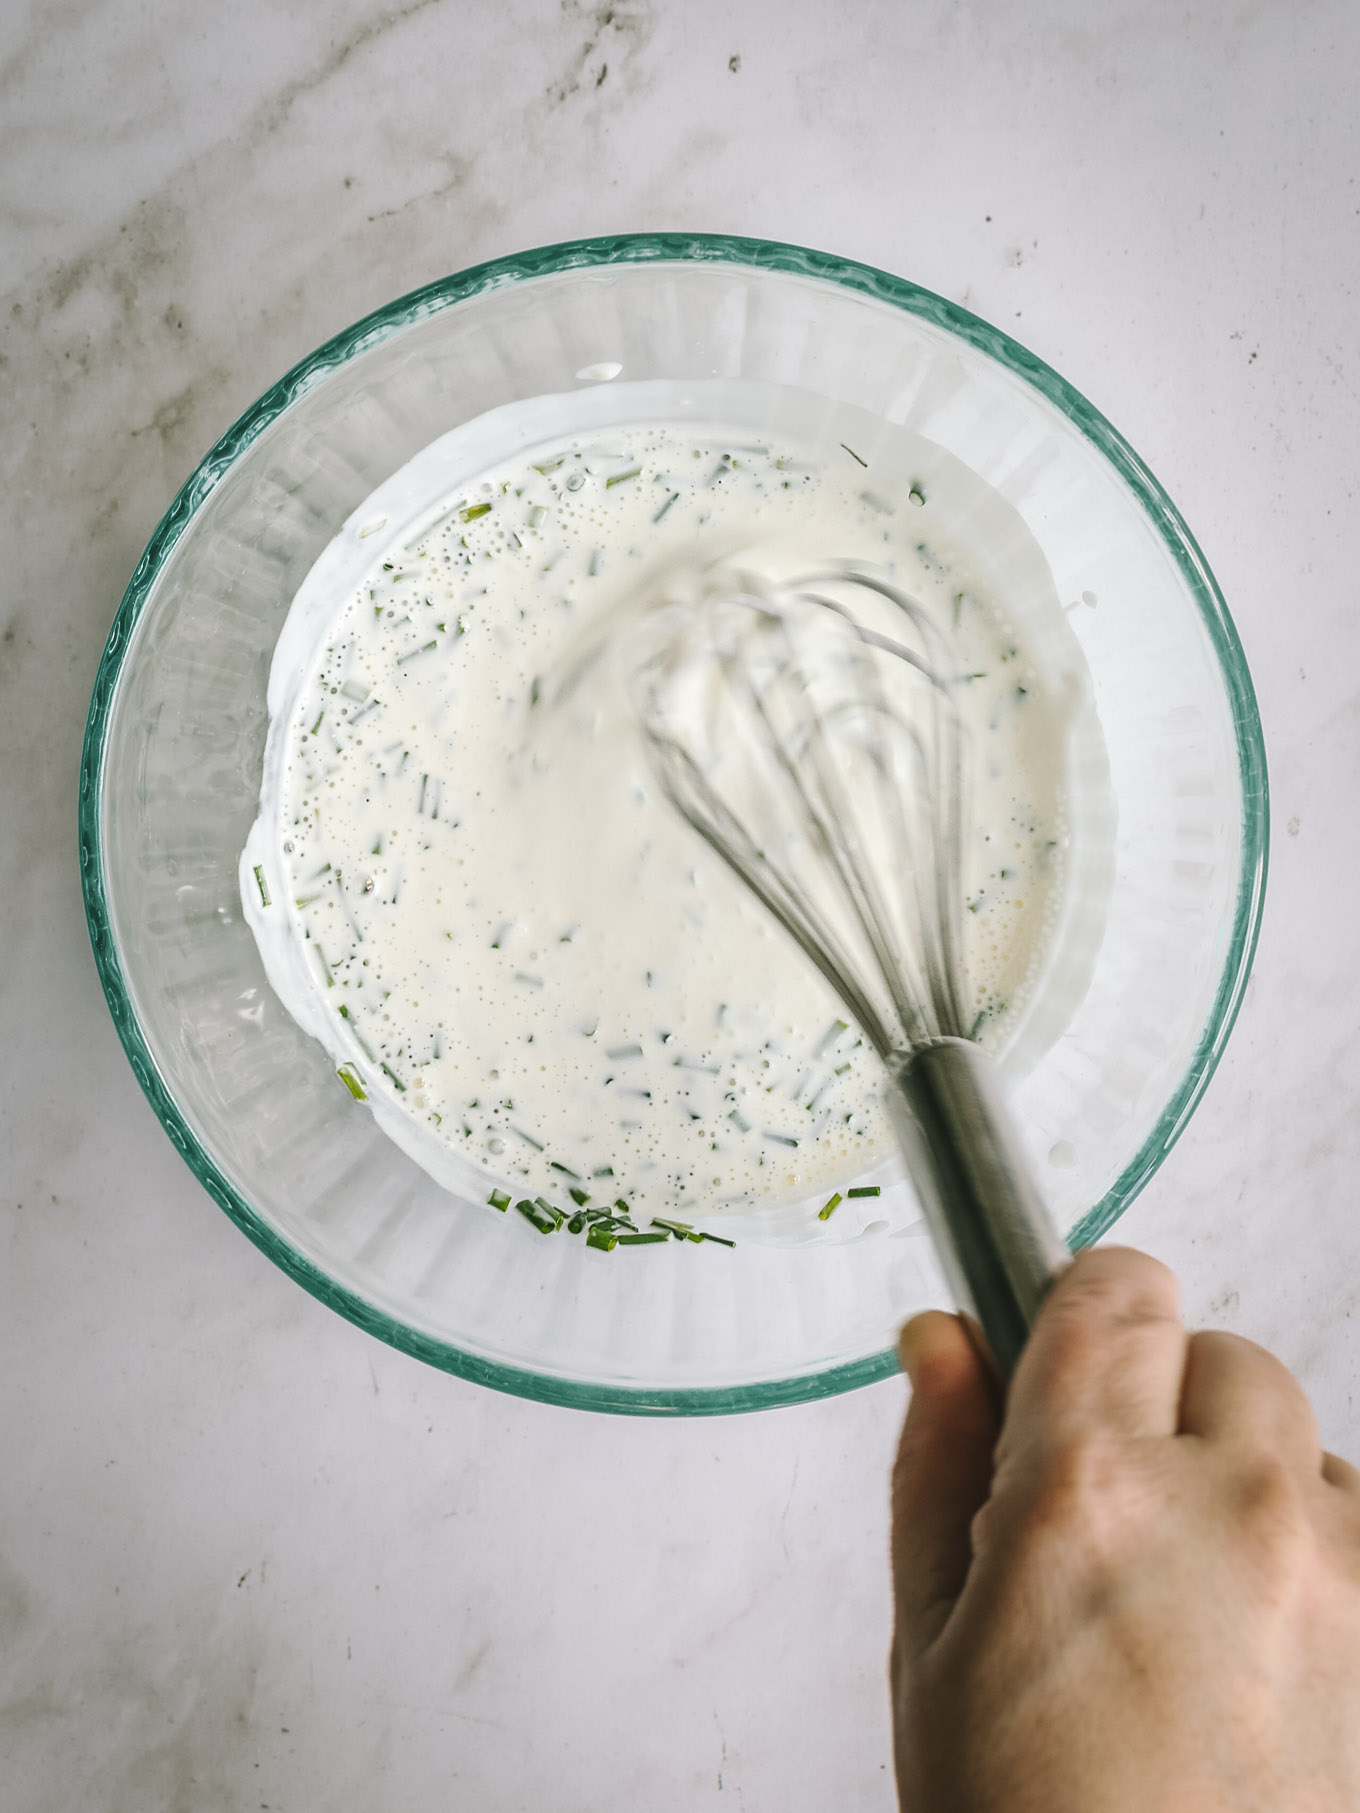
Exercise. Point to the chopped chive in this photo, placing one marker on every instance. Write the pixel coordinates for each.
(829, 1037)
(678, 1228)
(579, 1196)
(528, 1138)
(576, 1223)
(393, 1077)
(349, 1078)
(855, 456)
(866, 1189)
(624, 1207)
(603, 1171)
(528, 980)
(411, 654)
(622, 478)
(780, 1139)
(535, 1216)
(917, 495)
(673, 498)
(615, 1052)
(600, 1237)
(642, 1239)
(718, 1238)
(828, 1209)
(317, 725)
(259, 883)
(566, 1170)
(841, 1069)
(472, 512)
(549, 1209)
(742, 1126)
(499, 1199)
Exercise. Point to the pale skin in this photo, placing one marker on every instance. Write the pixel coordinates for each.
(1138, 1591)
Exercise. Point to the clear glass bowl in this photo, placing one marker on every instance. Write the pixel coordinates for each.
(171, 775)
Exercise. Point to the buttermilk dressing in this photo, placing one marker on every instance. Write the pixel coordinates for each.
(465, 881)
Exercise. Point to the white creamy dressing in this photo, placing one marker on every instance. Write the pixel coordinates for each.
(532, 971)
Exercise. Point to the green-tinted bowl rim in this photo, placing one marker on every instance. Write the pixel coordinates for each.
(644, 248)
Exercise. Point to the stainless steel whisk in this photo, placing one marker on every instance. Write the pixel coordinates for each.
(809, 733)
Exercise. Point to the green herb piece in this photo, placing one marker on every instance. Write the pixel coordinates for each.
(566, 1170)
(866, 1189)
(603, 1171)
(673, 498)
(579, 1196)
(499, 1199)
(617, 1052)
(678, 1228)
(917, 495)
(718, 1239)
(829, 1209)
(411, 654)
(576, 1223)
(535, 1216)
(622, 478)
(317, 725)
(350, 1079)
(548, 1209)
(259, 883)
(855, 456)
(623, 1207)
(602, 1239)
(642, 1239)
(742, 1126)
(528, 1138)
(393, 1077)
(472, 512)
(780, 1139)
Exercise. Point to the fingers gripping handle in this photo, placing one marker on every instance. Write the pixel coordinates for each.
(994, 1237)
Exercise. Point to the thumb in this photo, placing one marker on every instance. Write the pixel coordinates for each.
(942, 1476)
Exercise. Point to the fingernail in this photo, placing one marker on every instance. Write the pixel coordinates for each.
(911, 1343)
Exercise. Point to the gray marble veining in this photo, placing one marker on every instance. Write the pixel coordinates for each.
(248, 1557)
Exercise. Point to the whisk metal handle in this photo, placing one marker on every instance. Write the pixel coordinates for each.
(995, 1239)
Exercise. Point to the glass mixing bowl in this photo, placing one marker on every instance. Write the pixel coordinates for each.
(171, 776)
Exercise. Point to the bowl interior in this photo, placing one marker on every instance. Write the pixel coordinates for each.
(172, 773)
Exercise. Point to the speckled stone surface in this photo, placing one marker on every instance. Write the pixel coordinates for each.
(250, 1558)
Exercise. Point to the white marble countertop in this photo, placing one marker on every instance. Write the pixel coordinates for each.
(249, 1557)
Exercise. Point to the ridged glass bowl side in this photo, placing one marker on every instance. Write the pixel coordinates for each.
(171, 771)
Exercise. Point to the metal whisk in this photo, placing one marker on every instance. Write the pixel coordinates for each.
(809, 733)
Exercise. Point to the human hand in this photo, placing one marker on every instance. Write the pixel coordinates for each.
(1145, 1595)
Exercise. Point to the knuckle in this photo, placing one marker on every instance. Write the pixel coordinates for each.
(1270, 1501)
(1083, 1499)
(1117, 1282)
